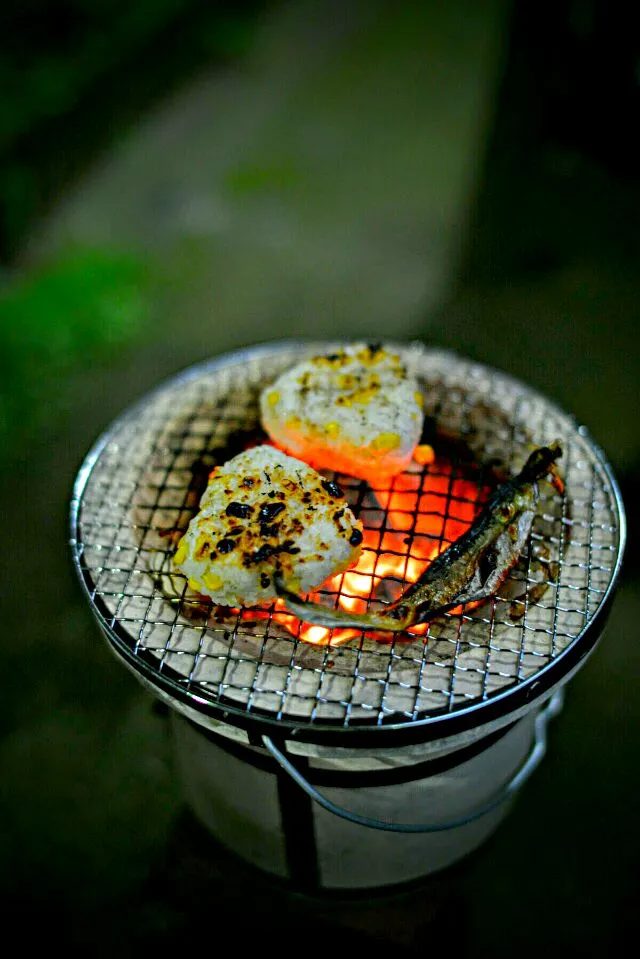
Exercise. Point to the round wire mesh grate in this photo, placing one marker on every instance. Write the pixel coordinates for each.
(140, 486)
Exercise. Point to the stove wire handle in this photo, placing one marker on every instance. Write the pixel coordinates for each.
(531, 763)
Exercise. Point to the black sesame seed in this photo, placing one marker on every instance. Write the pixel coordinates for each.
(267, 551)
(356, 537)
(261, 554)
(269, 511)
(332, 488)
(225, 545)
(265, 581)
(338, 514)
(375, 348)
(266, 530)
(241, 510)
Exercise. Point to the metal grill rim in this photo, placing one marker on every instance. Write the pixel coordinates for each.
(214, 699)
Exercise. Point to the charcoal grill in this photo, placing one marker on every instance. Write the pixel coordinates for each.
(290, 750)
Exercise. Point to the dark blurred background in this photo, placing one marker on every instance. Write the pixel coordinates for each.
(178, 179)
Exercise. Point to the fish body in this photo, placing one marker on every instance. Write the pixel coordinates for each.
(470, 569)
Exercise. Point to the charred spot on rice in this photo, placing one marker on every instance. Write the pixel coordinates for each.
(293, 534)
(356, 411)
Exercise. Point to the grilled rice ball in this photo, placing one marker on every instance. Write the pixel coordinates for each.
(357, 411)
(262, 513)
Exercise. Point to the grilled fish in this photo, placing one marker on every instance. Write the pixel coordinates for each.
(469, 570)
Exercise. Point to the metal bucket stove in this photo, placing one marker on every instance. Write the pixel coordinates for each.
(350, 764)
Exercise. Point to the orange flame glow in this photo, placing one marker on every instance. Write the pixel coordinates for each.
(406, 527)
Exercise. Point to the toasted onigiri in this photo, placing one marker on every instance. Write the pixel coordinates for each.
(265, 513)
(357, 411)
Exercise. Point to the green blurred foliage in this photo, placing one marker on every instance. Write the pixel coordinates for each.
(75, 73)
(74, 313)
(250, 179)
(56, 49)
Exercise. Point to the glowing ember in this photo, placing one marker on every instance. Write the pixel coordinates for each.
(406, 526)
(423, 455)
